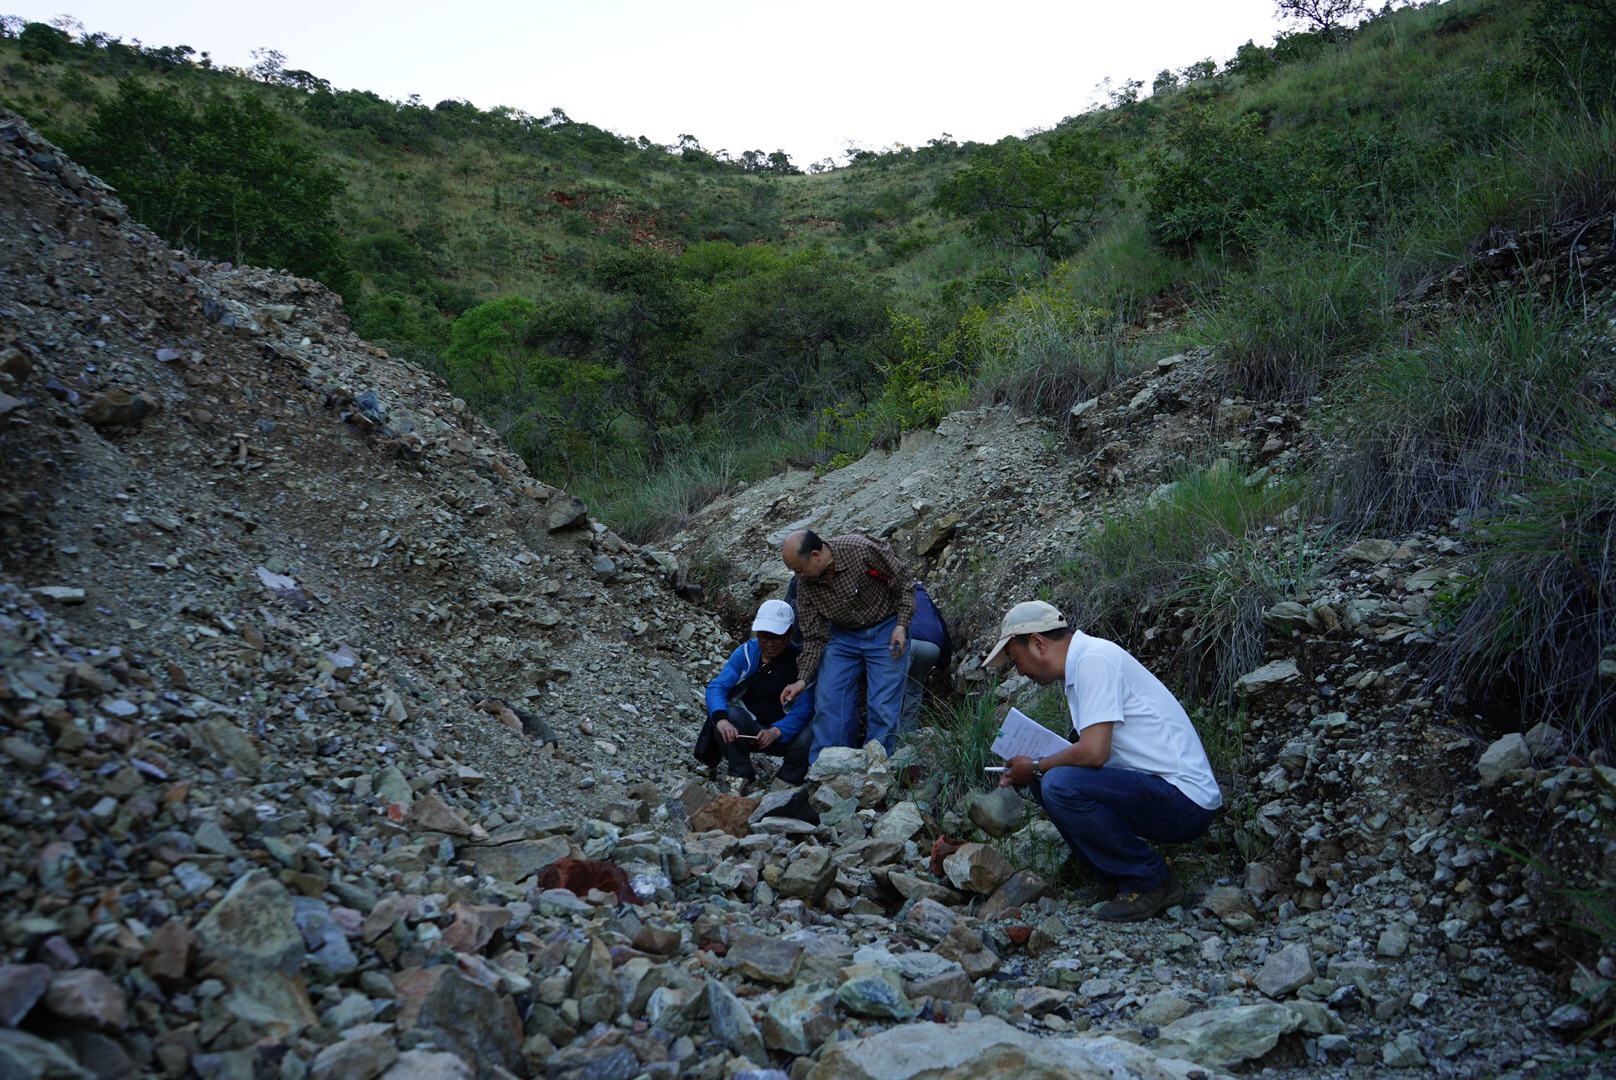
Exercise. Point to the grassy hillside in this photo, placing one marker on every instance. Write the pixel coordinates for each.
(653, 324)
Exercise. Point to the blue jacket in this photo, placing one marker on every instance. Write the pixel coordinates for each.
(742, 664)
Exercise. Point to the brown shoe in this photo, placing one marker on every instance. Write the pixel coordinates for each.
(1137, 906)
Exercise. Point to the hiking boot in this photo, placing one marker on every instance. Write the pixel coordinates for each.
(1136, 906)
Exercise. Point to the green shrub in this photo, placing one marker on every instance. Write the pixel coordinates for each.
(1280, 324)
(1446, 427)
(1540, 615)
(1181, 546)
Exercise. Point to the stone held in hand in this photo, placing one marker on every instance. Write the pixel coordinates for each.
(999, 812)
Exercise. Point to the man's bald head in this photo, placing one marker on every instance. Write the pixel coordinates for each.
(805, 554)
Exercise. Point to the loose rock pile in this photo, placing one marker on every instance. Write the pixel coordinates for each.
(336, 744)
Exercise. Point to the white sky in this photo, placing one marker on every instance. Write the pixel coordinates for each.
(737, 74)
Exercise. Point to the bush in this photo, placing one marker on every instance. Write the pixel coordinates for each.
(1446, 428)
(1189, 543)
(1540, 615)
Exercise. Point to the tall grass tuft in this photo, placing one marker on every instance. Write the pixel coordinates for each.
(1226, 594)
(1540, 616)
(1282, 324)
(1043, 353)
(1140, 558)
(1445, 428)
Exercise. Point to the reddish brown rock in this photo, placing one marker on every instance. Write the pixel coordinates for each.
(88, 997)
(942, 848)
(580, 875)
(474, 926)
(168, 953)
(727, 813)
(1018, 935)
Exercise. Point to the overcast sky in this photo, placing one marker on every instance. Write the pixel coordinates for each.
(737, 74)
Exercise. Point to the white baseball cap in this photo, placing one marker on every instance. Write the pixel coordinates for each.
(1031, 617)
(774, 617)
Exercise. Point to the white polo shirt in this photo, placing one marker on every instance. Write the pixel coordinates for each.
(1151, 732)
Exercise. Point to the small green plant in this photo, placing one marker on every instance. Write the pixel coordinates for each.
(1226, 594)
(957, 750)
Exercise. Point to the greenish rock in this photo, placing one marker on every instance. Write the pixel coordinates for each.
(999, 812)
(900, 823)
(28, 1057)
(810, 875)
(800, 1019)
(1223, 1038)
(252, 934)
(765, 959)
(1286, 971)
(391, 787)
(991, 1049)
(1163, 1009)
(733, 1024)
(594, 986)
(873, 990)
(517, 861)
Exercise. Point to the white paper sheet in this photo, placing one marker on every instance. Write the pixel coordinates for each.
(1022, 736)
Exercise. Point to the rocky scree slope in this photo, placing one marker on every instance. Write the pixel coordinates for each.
(257, 579)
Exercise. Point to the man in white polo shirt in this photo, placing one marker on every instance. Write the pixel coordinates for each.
(1136, 773)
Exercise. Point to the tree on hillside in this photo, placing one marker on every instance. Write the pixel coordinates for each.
(1044, 200)
(785, 333)
(227, 177)
(548, 409)
(639, 327)
(1325, 17)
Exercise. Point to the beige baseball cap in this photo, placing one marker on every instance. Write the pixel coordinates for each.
(1031, 617)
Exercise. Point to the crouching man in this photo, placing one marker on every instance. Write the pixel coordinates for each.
(1136, 773)
(744, 713)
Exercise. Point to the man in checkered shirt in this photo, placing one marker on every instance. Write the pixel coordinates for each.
(854, 603)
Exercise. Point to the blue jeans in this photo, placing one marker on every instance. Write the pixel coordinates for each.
(1106, 815)
(922, 658)
(849, 656)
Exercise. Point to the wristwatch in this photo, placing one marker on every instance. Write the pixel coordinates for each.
(1037, 769)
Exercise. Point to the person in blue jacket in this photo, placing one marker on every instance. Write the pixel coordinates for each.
(744, 714)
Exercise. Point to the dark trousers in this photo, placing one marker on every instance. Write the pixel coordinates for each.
(739, 753)
(1107, 815)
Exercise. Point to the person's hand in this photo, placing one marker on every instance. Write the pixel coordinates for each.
(726, 731)
(899, 637)
(792, 692)
(767, 737)
(1017, 773)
